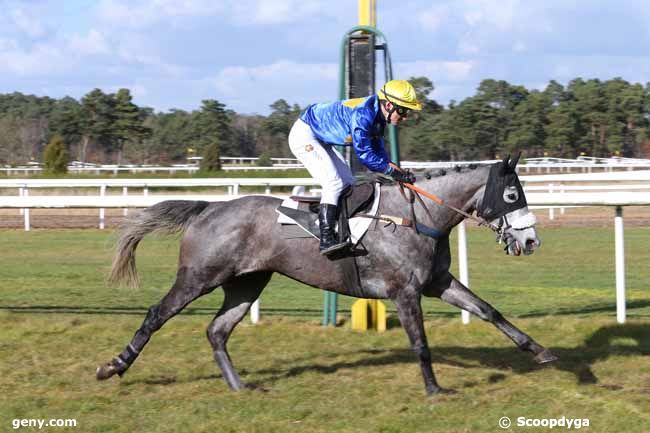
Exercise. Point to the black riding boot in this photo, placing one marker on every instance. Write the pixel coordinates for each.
(329, 242)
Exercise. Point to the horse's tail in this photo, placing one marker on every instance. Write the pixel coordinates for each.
(169, 216)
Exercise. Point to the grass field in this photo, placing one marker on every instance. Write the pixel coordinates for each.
(59, 321)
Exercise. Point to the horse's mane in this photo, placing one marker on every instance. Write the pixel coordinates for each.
(456, 169)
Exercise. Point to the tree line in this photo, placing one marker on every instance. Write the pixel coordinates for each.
(593, 117)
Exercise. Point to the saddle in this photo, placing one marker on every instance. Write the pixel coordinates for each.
(301, 212)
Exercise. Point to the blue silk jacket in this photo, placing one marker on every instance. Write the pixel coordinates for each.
(356, 122)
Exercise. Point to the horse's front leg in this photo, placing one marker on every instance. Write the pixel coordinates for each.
(410, 315)
(462, 297)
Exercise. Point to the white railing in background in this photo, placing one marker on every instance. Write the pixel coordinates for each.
(229, 163)
(161, 183)
(582, 182)
(231, 186)
(232, 163)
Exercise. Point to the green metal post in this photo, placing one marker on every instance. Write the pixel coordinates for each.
(326, 308)
(393, 136)
(330, 301)
(394, 144)
(329, 308)
(333, 308)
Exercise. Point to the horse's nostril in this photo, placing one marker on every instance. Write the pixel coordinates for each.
(531, 244)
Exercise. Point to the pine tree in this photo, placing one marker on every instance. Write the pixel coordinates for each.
(211, 157)
(128, 125)
(55, 157)
(264, 160)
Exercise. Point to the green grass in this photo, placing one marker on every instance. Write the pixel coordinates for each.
(59, 321)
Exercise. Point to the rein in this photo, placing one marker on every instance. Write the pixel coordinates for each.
(417, 191)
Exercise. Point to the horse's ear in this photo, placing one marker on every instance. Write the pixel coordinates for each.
(513, 162)
(504, 164)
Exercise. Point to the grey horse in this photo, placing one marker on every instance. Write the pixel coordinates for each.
(238, 245)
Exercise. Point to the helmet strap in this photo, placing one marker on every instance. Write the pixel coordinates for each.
(391, 111)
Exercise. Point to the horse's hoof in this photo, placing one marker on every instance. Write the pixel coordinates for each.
(442, 391)
(107, 370)
(545, 356)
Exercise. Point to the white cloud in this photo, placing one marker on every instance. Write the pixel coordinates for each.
(27, 24)
(232, 79)
(252, 89)
(279, 11)
(468, 44)
(436, 70)
(242, 12)
(92, 43)
(41, 60)
(431, 19)
(500, 14)
(125, 13)
(519, 47)
(7, 44)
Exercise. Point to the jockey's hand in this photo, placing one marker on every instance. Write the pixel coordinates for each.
(400, 176)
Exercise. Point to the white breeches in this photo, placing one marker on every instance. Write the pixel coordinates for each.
(322, 161)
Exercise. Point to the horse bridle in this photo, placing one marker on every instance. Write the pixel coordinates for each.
(417, 191)
(499, 229)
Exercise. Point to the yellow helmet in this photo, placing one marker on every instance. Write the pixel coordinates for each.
(400, 92)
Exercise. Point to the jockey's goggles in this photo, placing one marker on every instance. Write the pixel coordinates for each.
(402, 111)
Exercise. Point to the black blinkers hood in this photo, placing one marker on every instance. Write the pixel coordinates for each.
(502, 175)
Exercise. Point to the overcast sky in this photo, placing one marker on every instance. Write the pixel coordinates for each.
(249, 53)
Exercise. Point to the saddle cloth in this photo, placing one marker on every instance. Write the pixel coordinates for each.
(299, 218)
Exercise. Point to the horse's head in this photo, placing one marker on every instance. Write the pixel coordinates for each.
(504, 206)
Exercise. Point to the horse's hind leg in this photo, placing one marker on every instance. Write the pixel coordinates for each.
(460, 296)
(240, 293)
(187, 287)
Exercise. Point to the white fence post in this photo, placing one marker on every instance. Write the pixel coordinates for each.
(102, 193)
(620, 265)
(20, 194)
(462, 264)
(27, 222)
(125, 192)
(551, 210)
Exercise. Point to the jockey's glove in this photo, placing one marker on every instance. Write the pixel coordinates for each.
(400, 176)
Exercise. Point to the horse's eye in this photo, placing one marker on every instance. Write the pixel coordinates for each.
(510, 194)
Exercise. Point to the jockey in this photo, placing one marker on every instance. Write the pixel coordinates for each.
(358, 123)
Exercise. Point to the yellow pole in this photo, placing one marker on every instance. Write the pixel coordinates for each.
(368, 313)
(368, 13)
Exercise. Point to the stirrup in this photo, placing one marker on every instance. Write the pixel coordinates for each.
(335, 248)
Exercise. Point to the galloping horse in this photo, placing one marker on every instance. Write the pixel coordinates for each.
(238, 245)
